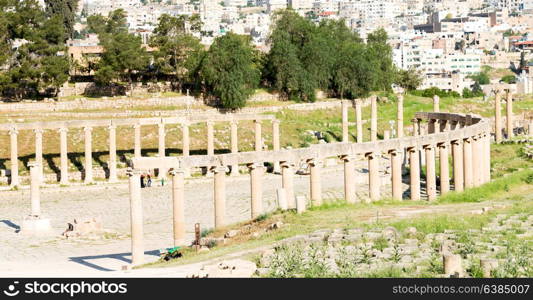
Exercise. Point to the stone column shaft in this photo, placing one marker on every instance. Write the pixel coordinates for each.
(436, 102)
(477, 159)
(414, 170)
(258, 136)
(510, 132)
(39, 153)
(497, 118)
(374, 119)
(178, 207)
(220, 196)
(112, 153)
(210, 139)
(374, 182)
(399, 117)
(359, 120)
(458, 172)
(136, 215)
(444, 169)
(88, 155)
(467, 162)
(487, 157)
(63, 155)
(35, 196)
(276, 145)
(287, 180)
(137, 140)
(234, 144)
(15, 181)
(256, 188)
(161, 139)
(185, 140)
(431, 186)
(349, 179)
(344, 120)
(396, 177)
(315, 184)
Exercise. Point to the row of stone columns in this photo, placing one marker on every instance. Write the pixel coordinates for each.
(373, 119)
(112, 164)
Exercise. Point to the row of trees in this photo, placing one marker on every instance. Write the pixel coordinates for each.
(303, 57)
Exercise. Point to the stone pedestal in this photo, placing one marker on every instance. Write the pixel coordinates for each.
(300, 204)
(35, 225)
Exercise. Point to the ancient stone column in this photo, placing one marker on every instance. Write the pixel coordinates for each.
(399, 117)
(258, 136)
(220, 196)
(136, 215)
(178, 206)
(13, 133)
(431, 126)
(444, 169)
(477, 167)
(396, 176)
(287, 182)
(374, 182)
(458, 172)
(35, 195)
(63, 155)
(436, 100)
(161, 139)
(137, 140)
(234, 144)
(88, 154)
(497, 118)
(112, 153)
(414, 176)
(256, 188)
(467, 162)
(510, 133)
(344, 105)
(386, 135)
(487, 157)
(431, 186)
(161, 148)
(39, 153)
(416, 126)
(210, 139)
(276, 145)
(185, 139)
(349, 178)
(315, 184)
(374, 119)
(359, 120)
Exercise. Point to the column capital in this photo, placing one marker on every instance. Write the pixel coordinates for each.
(428, 146)
(372, 154)
(286, 164)
(257, 121)
(136, 125)
(347, 157)
(112, 127)
(218, 169)
(174, 172)
(185, 124)
(13, 131)
(395, 151)
(314, 162)
(38, 131)
(132, 172)
(63, 129)
(255, 165)
(412, 149)
(33, 164)
(442, 145)
(87, 128)
(455, 142)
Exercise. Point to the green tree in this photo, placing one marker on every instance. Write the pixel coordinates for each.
(480, 78)
(508, 79)
(228, 70)
(66, 10)
(124, 56)
(38, 64)
(179, 52)
(409, 79)
(380, 54)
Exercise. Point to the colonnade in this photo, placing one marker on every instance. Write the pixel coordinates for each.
(136, 124)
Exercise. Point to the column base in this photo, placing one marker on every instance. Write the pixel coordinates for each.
(35, 225)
